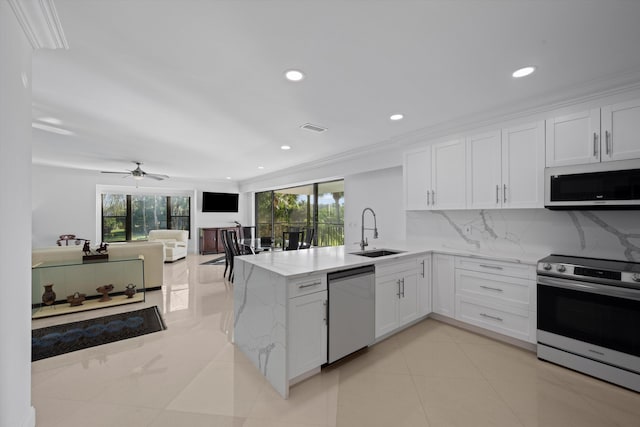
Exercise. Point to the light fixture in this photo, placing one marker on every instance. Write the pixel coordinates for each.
(285, 147)
(228, 177)
(396, 117)
(261, 167)
(294, 75)
(523, 72)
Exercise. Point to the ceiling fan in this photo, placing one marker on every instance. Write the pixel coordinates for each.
(138, 173)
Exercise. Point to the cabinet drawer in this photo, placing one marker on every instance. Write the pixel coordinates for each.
(497, 267)
(394, 267)
(506, 320)
(492, 287)
(307, 285)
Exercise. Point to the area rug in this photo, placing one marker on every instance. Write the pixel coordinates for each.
(216, 261)
(59, 339)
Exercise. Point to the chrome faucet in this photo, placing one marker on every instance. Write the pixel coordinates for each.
(365, 242)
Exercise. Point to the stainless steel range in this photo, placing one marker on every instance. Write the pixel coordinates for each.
(589, 317)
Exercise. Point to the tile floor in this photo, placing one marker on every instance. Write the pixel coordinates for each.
(190, 375)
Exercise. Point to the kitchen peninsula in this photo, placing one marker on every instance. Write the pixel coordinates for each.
(280, 301)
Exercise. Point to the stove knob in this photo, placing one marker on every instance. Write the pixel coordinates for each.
(562, 268)
(636, 277)
(547, 266)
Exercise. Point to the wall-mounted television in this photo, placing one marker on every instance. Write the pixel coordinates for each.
(219, 202)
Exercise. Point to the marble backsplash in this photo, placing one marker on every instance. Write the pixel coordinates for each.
(530, 232)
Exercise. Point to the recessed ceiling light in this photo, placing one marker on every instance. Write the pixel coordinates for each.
(51, 120)
(285, 147)
(396, 117)
(294, 75)
(523, 72)
(260, 167)
(228, 177)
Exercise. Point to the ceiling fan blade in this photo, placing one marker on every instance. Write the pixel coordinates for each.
(116, 172)
(156, 176)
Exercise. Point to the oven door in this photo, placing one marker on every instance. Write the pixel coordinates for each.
(605, 316)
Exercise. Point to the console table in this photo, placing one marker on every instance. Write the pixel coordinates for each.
(210, 241)
(69, 278)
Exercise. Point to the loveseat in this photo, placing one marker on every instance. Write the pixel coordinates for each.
(175, 243)
(153, 253)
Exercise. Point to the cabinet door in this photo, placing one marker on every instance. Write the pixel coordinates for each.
(408, 301)
(449, 175)
(443, 285)
(620, 131)
(573, 139)
(523, 166)
(387, 296)
(424, 285)
(417, 180)
(484, 166)
(307, 340)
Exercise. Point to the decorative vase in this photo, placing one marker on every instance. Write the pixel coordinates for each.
(104, 290)
(130, 290)
(48, 297)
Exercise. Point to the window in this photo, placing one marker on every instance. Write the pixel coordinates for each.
(128, 217)
(315, 206)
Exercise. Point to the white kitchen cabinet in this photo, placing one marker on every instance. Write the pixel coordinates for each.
(307, 341)
(396, 295)
(443, 285)
(417, 179)
(484, 170)
(424, 285)
(523, 166)
(434, 177)
(620, 130)
(573, 139)
(597, 135)
(498, 296)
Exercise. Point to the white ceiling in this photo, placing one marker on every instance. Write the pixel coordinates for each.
(195, 89)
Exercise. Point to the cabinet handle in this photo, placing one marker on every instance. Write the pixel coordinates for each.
(433, 197)
(399, 293)
(422, 268)
(308, 285)
(499, 319)
(326, 311)
(403, 287)
(491, 289)
(504, 193)
(595, 144)
(607, 135)
(428, 198)
(495, 267)
(497, 194)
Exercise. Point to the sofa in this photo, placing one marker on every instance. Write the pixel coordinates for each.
(153, 253)
(175, 243)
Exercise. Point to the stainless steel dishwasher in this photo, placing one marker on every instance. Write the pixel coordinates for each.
(351, 311)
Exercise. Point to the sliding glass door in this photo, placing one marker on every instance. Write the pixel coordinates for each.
(316, 208)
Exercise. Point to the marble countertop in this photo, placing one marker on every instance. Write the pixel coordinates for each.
(333, 258)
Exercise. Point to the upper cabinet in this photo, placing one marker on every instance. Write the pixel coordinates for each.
(505, 169)
(597, 135)
(434, 178)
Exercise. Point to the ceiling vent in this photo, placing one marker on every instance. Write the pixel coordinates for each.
(313, 128)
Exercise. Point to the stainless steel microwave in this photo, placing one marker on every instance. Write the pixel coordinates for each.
(604, 185)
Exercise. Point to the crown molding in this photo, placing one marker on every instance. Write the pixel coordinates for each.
(40, 22)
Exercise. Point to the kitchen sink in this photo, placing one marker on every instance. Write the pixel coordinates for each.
(377, 253)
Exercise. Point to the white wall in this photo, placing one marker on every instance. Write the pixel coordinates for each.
(64, 202)
(15, 223)
(381, 191)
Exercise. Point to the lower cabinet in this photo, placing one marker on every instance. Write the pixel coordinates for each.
(424, 284)
(396, 295)
(498, 296)
(307, 341)
(443, 285)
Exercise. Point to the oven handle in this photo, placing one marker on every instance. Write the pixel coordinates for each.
(594, 288)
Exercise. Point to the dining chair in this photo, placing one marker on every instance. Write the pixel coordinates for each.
(308, 238)
(291, 240)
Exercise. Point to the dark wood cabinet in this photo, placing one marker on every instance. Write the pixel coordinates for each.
(211, 240)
